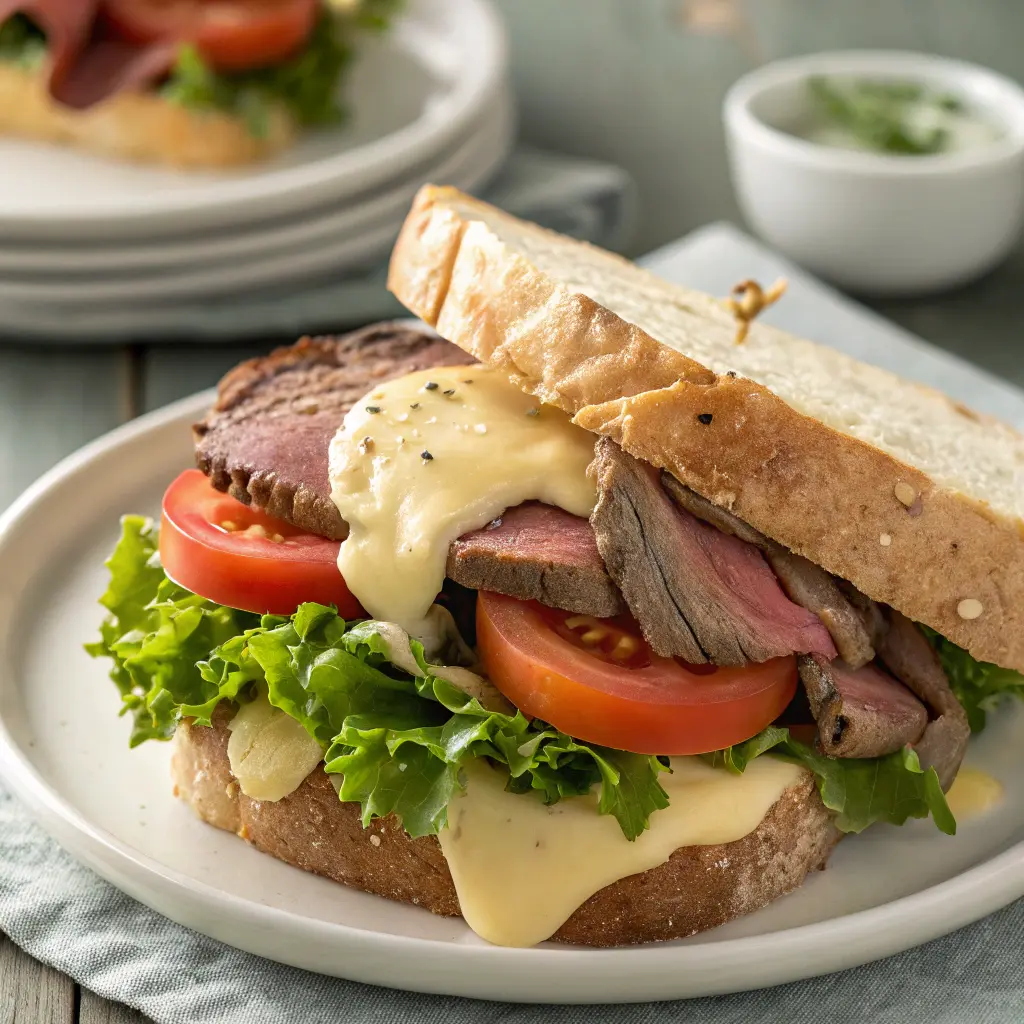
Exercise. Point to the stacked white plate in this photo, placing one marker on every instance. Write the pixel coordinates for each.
(80, 235)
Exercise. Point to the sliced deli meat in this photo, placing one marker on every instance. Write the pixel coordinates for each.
(537, 552)
(860, 712)
(907, 653)
(807, 584)
(266, 439)
(698, 593)
(87, 63)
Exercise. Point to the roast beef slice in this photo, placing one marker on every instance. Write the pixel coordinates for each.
(698, 593)
(862, 712)
(266, 439)
(537, 552)
(907, 653)
(266, 443)
(805, 583)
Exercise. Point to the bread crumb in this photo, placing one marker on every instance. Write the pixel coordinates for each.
(374, 840)
(969, 608)
(885, 540)
(905, 494)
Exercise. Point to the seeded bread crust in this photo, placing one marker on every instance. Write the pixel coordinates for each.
(137, 126)
(699, 887)
(940, 555)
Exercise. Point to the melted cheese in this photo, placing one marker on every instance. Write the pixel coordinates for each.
(501, 846)
(973, 793)
(269, 752)
(426, 458)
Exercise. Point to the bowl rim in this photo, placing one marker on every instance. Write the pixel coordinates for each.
(1003, 97)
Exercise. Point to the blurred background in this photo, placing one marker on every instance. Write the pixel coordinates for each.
(641, 82)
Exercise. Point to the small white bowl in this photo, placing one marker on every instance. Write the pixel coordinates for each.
(875, 222)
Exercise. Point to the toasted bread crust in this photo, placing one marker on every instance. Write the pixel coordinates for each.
(138, 126)
(824, 494)
(698, 888)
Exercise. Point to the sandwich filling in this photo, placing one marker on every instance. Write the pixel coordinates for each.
(555, 658)
(250, 61)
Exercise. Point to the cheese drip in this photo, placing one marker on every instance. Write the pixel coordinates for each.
(501, 846)
(973, 793)
(269, 752)
(424, 459)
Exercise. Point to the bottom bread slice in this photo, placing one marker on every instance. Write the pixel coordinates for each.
(697, 888)
(139, 126)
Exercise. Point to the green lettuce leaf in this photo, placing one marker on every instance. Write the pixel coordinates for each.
(399, 740)
(860, 790)
(21, 43)
(157, 633)
(978, 685)
(306, 85)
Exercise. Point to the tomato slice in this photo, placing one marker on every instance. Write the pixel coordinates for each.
(232, 35)
(239, 556)
(597, 680)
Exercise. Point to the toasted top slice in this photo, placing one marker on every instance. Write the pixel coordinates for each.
(913, 498)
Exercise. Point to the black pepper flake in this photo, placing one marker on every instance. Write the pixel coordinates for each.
(467, 382)
(426, 456)
(373, 409)
(705, 418)
(415, 405)
(430, 386)
(730, 373)
(448, 392)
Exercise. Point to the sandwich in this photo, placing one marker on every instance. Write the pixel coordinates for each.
(186, 84)
(566, 590)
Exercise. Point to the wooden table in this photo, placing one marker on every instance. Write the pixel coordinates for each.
(52, 400)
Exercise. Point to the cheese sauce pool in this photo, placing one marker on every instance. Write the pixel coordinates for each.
(522, 868)
(424, 459)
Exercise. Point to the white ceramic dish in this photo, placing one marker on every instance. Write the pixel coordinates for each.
(411, 94)
(464, 164)
(332, 242)
(64, 752)
(876, 222)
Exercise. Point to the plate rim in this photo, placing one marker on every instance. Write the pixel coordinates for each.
(299, 187)
(207, 278)
(470, 156)
(788, 954)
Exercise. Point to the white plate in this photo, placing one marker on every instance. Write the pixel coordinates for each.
(64, 752)
(334, 242)
(64, 269)
(410, 95)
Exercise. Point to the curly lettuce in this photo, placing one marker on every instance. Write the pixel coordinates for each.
(399, 732)
(861, 791)
(398, 739)
(978, 685)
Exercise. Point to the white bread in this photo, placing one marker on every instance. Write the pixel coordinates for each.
(699, 887)
(138, 126)
(809, 446)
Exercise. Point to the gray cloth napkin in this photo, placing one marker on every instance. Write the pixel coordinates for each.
(584, 198)
(66, 916)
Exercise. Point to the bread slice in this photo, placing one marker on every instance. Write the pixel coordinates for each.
(698, 888)
(140, 126)
(907, 494)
